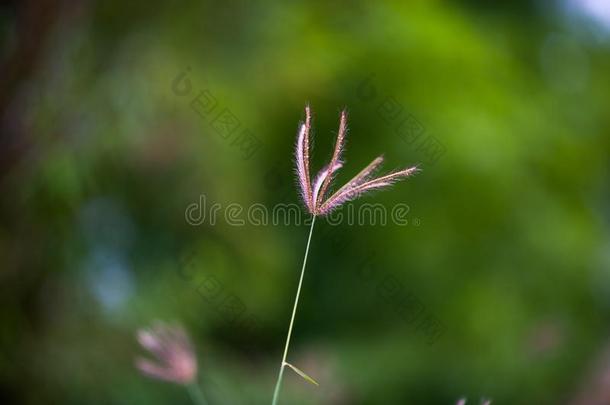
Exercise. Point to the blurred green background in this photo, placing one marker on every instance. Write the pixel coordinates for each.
(507, 247)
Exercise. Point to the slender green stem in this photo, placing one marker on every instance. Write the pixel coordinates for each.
(196, 394)
(276, 393)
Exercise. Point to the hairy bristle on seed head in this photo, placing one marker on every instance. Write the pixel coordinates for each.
(335, 158)
(302, 160)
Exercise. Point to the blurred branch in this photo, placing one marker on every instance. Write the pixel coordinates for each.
(33, 22)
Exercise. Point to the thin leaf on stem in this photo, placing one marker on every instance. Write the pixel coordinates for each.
(302, 374)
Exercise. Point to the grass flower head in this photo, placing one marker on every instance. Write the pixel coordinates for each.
(315, 194)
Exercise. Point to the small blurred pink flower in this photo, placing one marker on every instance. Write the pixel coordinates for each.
(463, 402)
(175, 359)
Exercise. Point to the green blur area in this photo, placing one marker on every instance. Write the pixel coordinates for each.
(489, 278)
